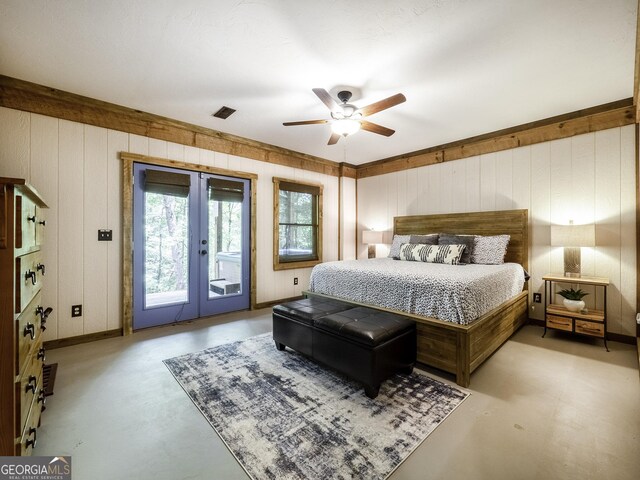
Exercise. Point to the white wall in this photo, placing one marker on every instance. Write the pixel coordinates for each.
(586, 178)
(348, 218)
(77, 170)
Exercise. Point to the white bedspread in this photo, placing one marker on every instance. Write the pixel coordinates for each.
(454, 293)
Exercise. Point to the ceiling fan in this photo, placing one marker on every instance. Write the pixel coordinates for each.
(347, 118)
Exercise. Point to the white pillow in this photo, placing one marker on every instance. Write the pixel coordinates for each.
(490, 250)
(416, 252)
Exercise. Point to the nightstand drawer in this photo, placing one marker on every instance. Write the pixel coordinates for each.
(560, 323)
(590, 328)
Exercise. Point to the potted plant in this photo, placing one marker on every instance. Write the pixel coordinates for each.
(573, 299)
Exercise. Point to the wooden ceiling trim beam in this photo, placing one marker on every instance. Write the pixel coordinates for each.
(601, 117)
(31, 97)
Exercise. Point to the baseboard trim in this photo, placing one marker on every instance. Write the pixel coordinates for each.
(258, 306)
(614, 337)
(535, 321)
(77, 340)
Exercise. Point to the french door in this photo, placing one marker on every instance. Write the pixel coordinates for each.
(191, 249)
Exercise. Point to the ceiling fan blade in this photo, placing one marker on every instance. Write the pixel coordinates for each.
(375, 128)
(326, 98)
(389, 102)
(333, 139)
(305, 122)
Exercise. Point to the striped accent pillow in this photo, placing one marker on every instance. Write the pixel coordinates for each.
(416, 252)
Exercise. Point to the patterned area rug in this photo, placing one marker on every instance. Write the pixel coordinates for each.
(285, 417)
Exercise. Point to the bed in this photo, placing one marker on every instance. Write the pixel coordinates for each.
(458, 346)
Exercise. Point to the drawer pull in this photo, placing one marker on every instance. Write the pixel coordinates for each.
(40, 266)
(44, 314)
(557, 323)
(41, 397)
(41, 353)
(31, 385)
(29, 329)
(32, 443)
(43, 223)
(31, 219)
(31, 275)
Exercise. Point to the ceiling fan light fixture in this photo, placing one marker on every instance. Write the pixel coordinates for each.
(345, 126)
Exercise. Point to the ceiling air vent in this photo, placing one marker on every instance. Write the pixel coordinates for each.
(224, 113)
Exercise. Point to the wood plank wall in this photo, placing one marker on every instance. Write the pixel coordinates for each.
(587, 178)
(76, 168)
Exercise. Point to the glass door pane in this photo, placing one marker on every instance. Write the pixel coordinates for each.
(225, 241)
(166, 244)
(225, 234)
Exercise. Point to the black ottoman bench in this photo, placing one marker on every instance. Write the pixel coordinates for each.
(365, 344)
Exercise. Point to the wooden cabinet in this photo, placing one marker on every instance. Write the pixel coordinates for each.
(591, 322)
(22, 316)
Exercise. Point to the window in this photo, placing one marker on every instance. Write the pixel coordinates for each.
(297, 234)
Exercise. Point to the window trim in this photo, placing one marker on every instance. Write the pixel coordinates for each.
(291, 264)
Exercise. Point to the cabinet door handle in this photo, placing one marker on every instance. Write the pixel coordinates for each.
(32, 443)
(31, 385)
(29, 329)
(41, 354)
(42, 397)
(43, 223)
(40, 266)
(31, 219)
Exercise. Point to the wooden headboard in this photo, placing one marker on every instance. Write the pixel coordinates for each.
(510, 222)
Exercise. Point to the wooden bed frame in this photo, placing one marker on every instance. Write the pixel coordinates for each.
(460, 349)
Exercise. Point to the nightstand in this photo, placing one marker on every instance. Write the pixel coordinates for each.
(592, 323)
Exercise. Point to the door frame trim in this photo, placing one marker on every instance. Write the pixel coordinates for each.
(127, 223)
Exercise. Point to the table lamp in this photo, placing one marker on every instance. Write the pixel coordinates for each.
(372, 238)
(572, 238)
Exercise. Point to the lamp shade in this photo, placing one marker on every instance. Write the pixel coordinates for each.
(371, 237)
(573, 235)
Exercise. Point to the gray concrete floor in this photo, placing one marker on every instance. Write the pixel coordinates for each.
(554, 408)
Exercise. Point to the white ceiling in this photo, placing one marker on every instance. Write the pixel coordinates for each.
(467, 67)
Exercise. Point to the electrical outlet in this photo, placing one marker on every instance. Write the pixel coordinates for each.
(76, 310)
(537, 298)
(295, 280)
